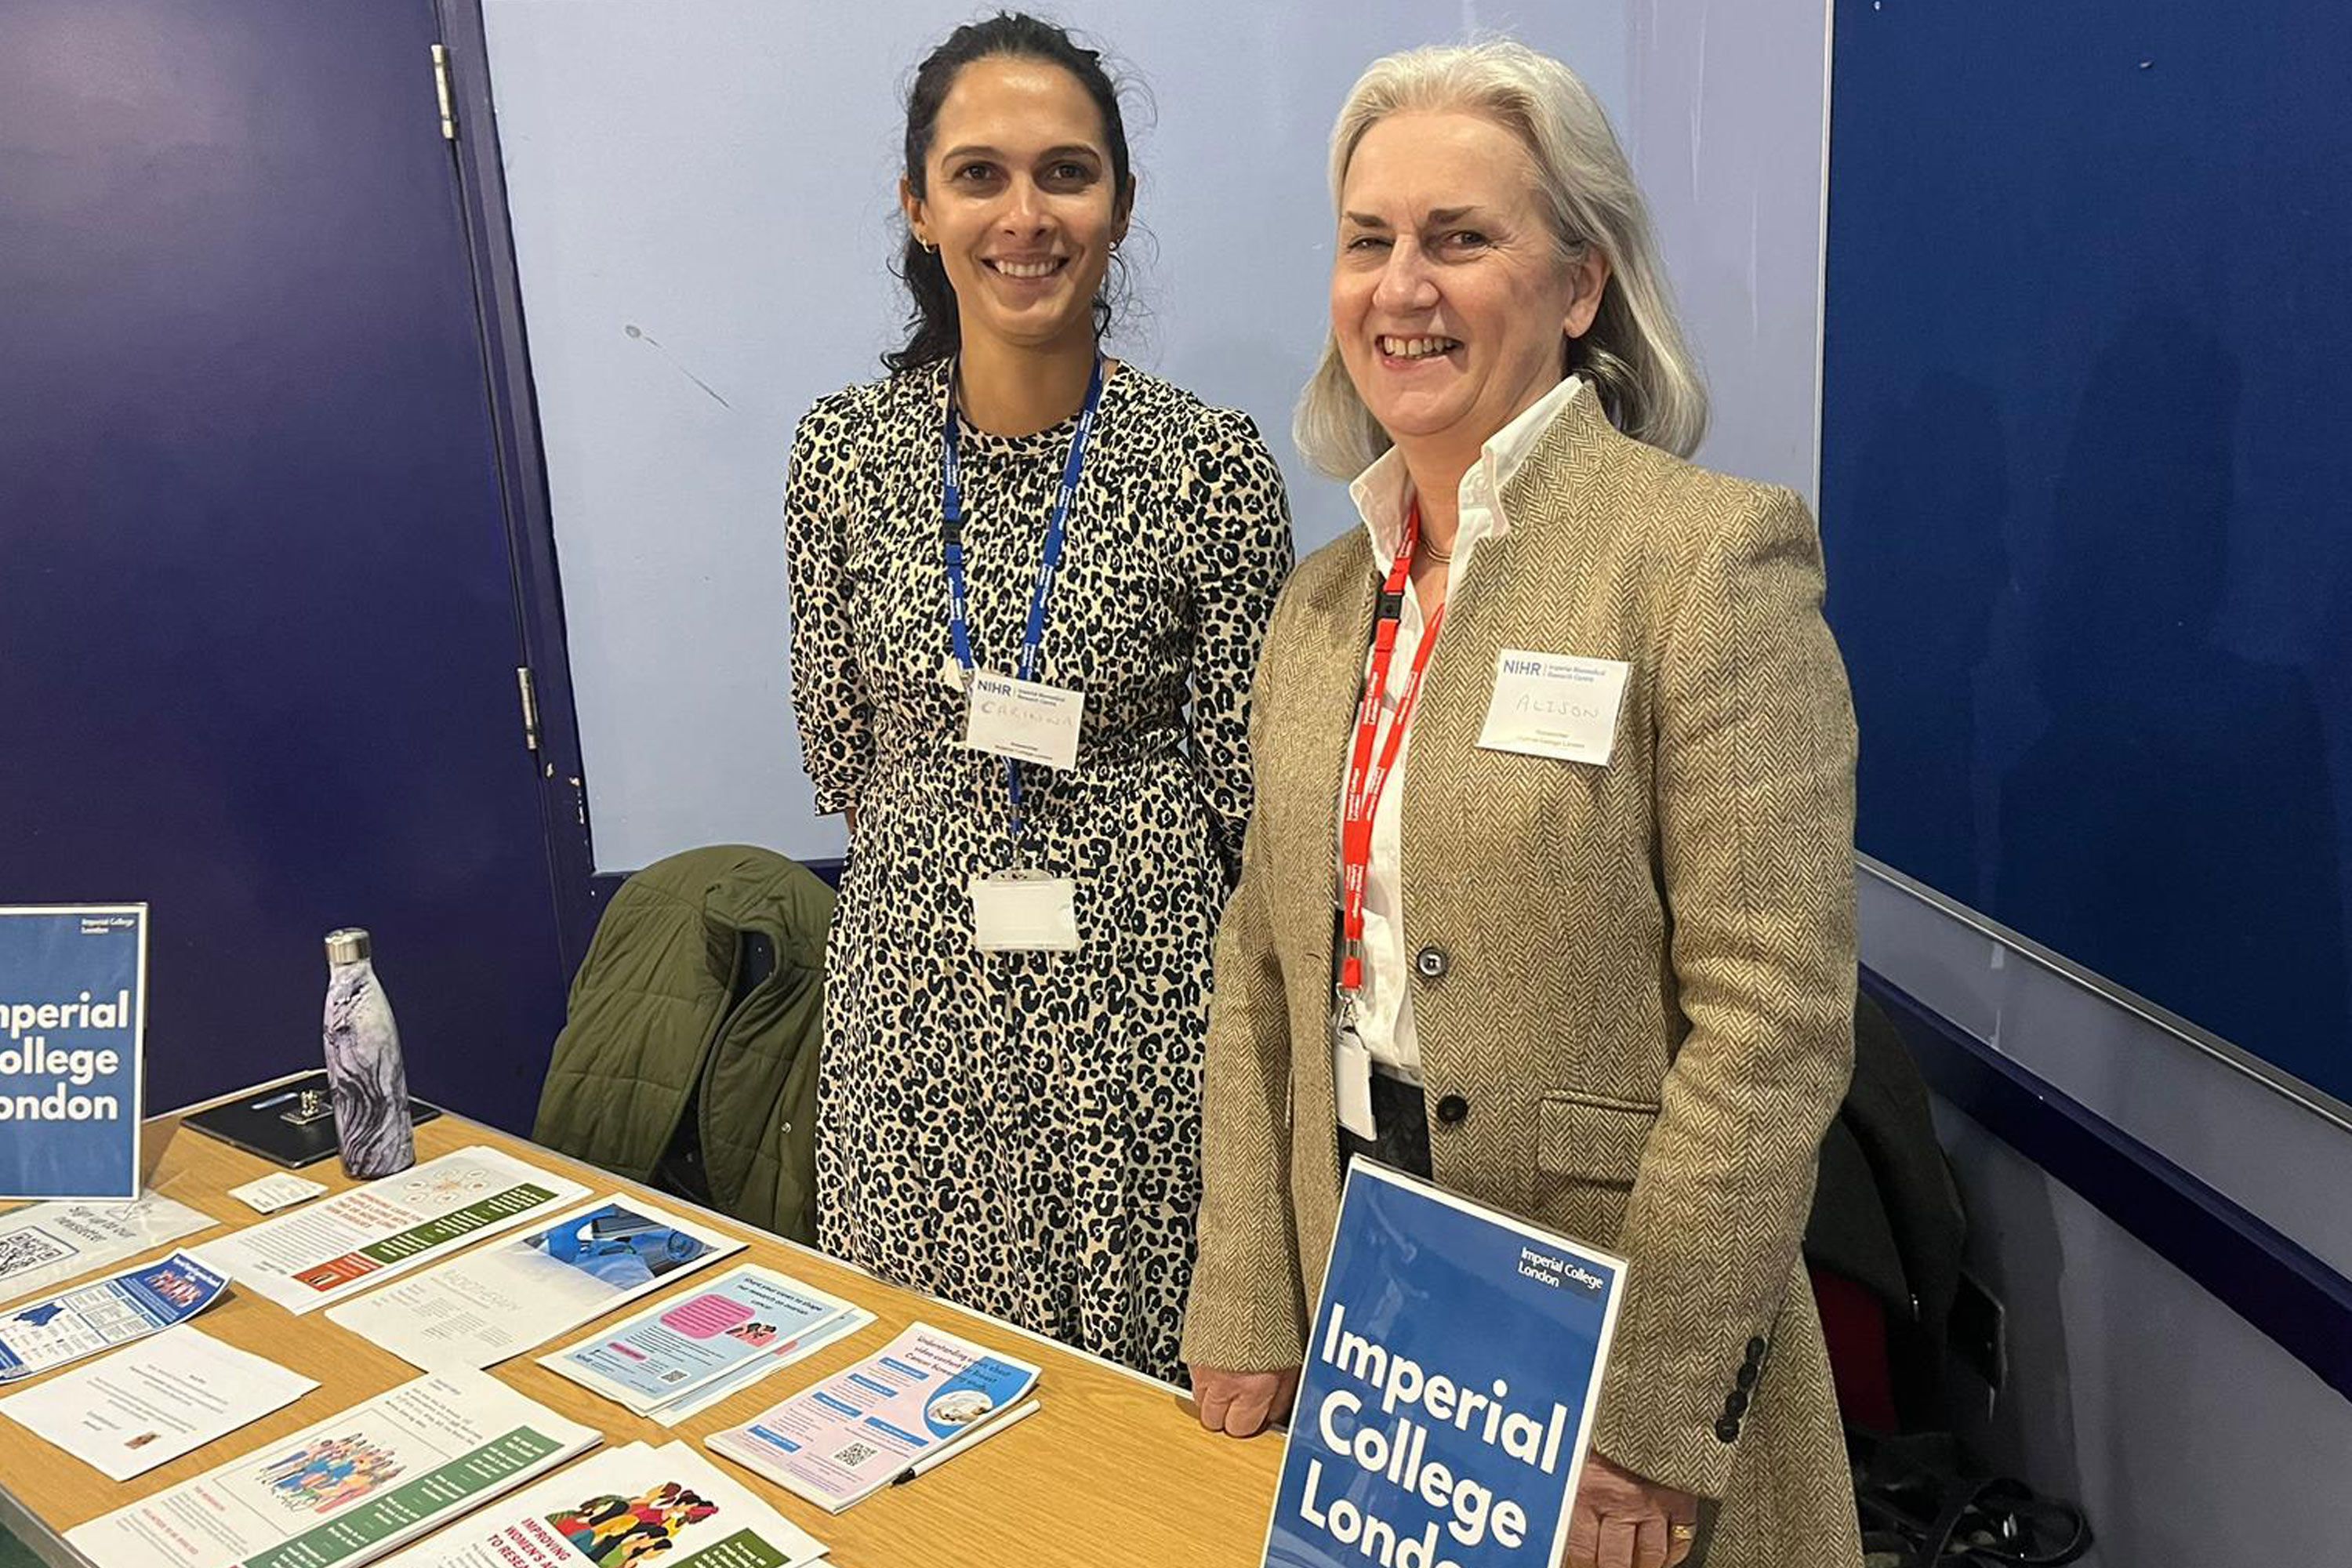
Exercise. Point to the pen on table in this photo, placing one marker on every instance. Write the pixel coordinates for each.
(955, 1446)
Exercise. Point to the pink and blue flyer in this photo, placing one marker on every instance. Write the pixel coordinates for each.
(865, 1428)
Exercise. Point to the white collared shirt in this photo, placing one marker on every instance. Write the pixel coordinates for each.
(1382, 494)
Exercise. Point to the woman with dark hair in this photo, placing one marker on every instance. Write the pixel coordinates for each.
(1029, 585)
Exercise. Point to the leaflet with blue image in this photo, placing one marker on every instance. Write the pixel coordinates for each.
(498, 1300)
(73, 1008)
(1447, 1398)
(103, 1314)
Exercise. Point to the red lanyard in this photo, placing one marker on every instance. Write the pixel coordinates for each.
(1365, 777)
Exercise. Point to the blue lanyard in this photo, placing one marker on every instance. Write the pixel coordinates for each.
(1033, 637)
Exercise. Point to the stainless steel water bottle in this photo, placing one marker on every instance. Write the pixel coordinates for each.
(364, 1072)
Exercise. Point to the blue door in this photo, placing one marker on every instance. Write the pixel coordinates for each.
(258, 635)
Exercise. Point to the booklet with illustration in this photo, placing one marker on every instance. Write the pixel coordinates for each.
(680, 1348)
(855, 1433)
(103, 1314)
(349, 1488)
(619, 1508)
(498, 1300)
(356, 1240)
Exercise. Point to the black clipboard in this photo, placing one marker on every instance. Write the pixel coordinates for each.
(290, 1123)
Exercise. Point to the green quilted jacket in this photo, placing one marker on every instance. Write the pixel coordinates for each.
(681, 1032)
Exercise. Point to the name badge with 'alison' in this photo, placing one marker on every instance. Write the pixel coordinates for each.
(1026, 721)
(1555, 705)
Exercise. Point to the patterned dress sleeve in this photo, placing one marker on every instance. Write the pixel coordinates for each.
(1240, 555)
(829, 695)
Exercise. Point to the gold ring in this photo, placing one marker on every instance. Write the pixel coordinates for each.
(1683, 1531)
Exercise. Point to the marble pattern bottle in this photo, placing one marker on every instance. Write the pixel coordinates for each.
(364, 1072)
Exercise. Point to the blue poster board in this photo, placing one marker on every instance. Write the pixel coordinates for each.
(73, 1011)
(2086, 487)
(1447, 1398)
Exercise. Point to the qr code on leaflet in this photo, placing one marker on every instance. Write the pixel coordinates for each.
(23, 1250)
(855, 1454)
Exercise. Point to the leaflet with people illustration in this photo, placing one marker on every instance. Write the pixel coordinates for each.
(855, 1433)
(621, 1509)
(496, 1301)
(355, 1241)
(693, 1340)
(349, 1488)
(103, 1314)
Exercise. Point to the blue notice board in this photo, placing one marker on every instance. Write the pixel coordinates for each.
(73, 1011)
(2086, 486)
(1447, 1398)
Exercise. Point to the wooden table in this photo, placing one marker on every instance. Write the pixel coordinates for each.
(1113, 1470)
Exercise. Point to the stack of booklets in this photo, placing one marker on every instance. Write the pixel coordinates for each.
(624, 1507)
(349, 1490)
(696, 1347)
(923, 1397)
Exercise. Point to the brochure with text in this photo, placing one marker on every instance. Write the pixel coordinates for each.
(855, 1433)
(356, 1240)
(125, 1414)
(103, 1314)
(620, 1508)
(498, 1300)
(349, 1488)
(679, 1347)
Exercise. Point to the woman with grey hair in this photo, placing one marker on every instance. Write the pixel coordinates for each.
(1592, 961)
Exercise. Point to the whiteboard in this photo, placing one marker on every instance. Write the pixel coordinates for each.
(702, 196)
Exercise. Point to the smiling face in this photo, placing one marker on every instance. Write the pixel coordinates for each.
(1449, 292)
(1018, 196)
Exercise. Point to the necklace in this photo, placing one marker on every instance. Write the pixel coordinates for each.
(1437, 556)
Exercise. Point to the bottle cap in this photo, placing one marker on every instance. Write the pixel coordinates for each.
(348, 945)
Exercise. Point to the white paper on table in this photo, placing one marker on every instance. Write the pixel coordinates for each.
(766, 1366)
(347, 1489)
(42, 1244)
(146, 1298)
(682, 1345)
(673, 1494)
(498, 1300)
(127, 1413)
(278, 1190)
(358, 1239)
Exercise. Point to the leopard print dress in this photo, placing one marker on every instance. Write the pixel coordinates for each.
(1021, 1132)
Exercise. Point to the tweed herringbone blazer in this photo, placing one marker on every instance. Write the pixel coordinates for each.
(1639, 978)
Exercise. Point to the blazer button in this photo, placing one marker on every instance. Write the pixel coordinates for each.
(1727, 1430)
(1747, 1376)
(1430, 962)
(1755, 1350)
(1736, 1405)
(1452, 1109)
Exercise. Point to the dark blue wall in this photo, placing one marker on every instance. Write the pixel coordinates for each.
(2086, 486)
(255, 595)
